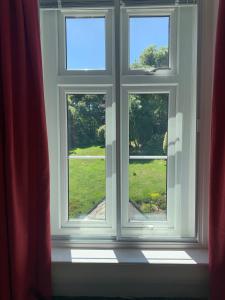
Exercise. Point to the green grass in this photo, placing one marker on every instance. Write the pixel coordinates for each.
(147, 185)
(146, 178)
(94, 150)
(87, 182)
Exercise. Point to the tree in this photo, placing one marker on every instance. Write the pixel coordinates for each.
(148, 113)
(152, 57)
(148, 117)
(86, 114)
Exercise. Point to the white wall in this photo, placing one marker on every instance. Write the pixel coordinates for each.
(133, 280)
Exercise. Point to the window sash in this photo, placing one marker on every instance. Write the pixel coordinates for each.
(172, 14)
(159, 226)
(65, 222)
(107, 14)
(185, 87)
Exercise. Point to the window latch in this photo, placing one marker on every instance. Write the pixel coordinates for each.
(152, 71)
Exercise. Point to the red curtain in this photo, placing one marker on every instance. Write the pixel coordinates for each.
(217, 190)
(24, 170)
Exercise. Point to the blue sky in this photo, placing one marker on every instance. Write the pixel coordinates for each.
(145, 31)
(86, 40)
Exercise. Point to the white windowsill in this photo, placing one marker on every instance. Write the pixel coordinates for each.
(130, 272)
(130, 256)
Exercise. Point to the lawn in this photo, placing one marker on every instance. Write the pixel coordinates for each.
(147, 183)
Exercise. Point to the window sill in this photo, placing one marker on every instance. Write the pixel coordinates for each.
(130, 272)
(130, 256)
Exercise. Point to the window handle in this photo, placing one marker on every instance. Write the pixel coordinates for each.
(152, 71)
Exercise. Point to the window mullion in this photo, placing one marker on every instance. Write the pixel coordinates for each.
(118, 123)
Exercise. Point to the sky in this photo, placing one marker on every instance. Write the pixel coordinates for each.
(86, 40)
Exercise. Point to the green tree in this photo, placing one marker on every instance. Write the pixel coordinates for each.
(148, 117)
(148, 113)
(152, 57)
(86, 114)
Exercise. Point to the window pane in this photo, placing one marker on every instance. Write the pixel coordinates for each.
(86, 150)
(147, 190)
(149, 42)
(85, 43)
(148, 127)
(87, 189)
(86, 124)
(148, 123)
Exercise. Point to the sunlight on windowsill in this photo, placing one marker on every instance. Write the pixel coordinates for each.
(130, 256)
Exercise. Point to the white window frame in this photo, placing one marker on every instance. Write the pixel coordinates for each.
(65, 80)
(91, 225)
(107, 14)
(58, 83)
(153, 12)
(155, 227)
(183, 91)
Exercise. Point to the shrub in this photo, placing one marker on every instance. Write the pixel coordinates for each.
(101, 134)
(154, 196)
(158, 200)
(165, 143)
(148, 207)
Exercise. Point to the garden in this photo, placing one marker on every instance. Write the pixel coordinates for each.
(148, 121)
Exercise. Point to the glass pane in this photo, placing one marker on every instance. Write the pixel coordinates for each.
(86, 124)
(148, 123)
(86, 150)
(147, 190)
(85, 43)
(149, 42)
(87, 189)
(148, 127)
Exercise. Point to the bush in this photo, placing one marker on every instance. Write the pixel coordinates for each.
(101, 134)
(155, 203)
(148, 208)
(154, 196)
(165, 143)
(159, 200)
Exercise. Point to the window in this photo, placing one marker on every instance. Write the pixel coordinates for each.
(147, 171)
(150, 50)
(81, 35)
(81, 43)
(123, 163)
(86, 160)
(86, 156)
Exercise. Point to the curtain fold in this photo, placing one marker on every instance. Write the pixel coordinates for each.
(25, 261)
(217, 187)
